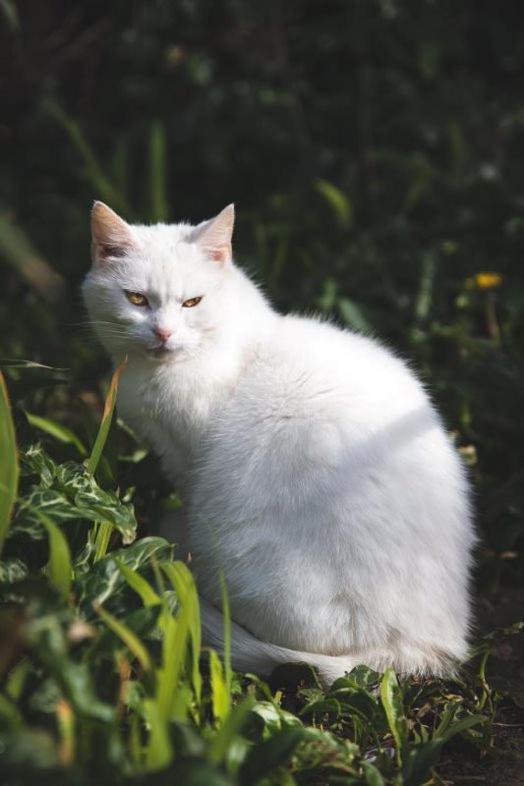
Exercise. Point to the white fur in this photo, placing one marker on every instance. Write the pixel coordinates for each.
(317, 474)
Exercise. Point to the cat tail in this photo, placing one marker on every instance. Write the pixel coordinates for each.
(253, 655)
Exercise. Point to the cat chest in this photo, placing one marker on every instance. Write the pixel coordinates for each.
(162, 413)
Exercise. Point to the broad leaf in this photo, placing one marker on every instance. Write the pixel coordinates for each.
(8, 463)
(391, 698)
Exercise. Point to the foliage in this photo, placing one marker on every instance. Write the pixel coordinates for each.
(101, 669)
(372, 150)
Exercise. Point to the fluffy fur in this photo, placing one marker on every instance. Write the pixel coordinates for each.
(316, 472)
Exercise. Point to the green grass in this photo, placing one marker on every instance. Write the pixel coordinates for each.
(103, 675)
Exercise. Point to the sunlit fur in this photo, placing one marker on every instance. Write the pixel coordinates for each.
(316, 473)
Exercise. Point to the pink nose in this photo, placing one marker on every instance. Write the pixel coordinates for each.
(162, 333)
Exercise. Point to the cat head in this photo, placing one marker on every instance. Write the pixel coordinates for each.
(157, 292)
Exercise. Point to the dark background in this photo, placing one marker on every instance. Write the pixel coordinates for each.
(374, 152)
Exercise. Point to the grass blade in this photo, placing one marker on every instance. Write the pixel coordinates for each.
(174, 657)
(157, 172)
(66, 728)
(102, 538)
(158, 750)
(10, 715)
(18, 251)
(338, 202)
(174, 649)
(265, 758)
(107, 416)
(223, 740)
(226, 615)
(8, 462)
(183, 584)
(56, 430)
(59, 567)
(220, 697)
(139, 585)
(462, 725)
(93, 170)
(10, 12)
(127, 636)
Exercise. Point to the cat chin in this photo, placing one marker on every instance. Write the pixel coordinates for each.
(166, 355)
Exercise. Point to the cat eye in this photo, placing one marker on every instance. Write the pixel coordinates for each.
(136, 298)
(193, 301)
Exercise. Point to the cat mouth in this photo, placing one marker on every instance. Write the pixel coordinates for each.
(162, 352)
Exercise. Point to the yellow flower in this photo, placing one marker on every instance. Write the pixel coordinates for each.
(488, 280)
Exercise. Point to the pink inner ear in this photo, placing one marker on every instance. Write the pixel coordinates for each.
(110, 250)
(219, 253)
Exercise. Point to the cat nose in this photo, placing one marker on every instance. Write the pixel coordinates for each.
(162, 333)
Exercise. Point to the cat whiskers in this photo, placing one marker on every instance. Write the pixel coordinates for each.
(113, 331)
(100, 323)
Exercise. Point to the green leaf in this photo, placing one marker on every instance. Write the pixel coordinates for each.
(35, 461)
(9, 714)
(224, 739)
(13, 570)
(324, 706)
(158, 750)
(157, 173)
(107, 416)
(19, 363)
(463, 725)
(220, 696)
(8, 463)
(94, 172)
(27, 376)
(10, 11)
(139, 584)
(126, 636)
(174, 651)
(226, 617)
(353, 315)
(337, 200)
(57, 431)
(424, 299)
(105, 582)
(273, 718)
(424, 756)
(419, 761)
(102, 538)
(372, 775)
(60, 570)
(17, 678)
(391, 699)
(184, 585)
(264, 758)
(50, 647)
(17, 249)
(67, 492)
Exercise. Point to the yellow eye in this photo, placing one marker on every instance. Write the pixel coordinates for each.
(193, 301)
(136, 298)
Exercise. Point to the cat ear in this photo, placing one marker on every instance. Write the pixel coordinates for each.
(110, 235)
(214, 236)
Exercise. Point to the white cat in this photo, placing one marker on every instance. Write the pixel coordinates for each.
(316, 472)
